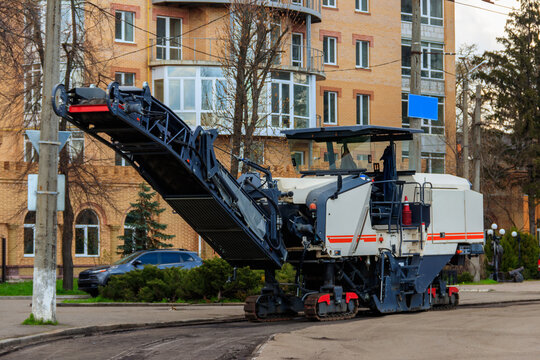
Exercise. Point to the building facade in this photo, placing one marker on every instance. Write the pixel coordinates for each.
(344, 62)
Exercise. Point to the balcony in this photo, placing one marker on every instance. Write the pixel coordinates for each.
(300, 7)
(209, 51)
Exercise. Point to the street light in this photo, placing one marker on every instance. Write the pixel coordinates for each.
(497, 248)
(514, 235)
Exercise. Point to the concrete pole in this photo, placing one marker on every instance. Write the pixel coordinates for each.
(44, 291)
(477, 138)
(465, 107)
(415, 151)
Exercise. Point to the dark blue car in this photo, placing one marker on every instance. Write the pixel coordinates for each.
(91, 279)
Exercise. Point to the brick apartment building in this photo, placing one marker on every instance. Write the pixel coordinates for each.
(346, 62)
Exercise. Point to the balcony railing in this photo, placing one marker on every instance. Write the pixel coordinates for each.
(311, 7)
(184, 51)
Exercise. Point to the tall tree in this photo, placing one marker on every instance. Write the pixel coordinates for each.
(514, 95)
(252, 45)
(145, 230)
(85, 58)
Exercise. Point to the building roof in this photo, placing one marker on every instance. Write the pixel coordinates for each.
(336, 133)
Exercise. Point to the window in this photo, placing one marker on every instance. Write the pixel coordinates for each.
(213, 94)
(129, 232)
(169, 257)
(329, 3)
(30, 153)
(119, 160)
(123, 26)
(362, 5)
(169, 38)
(433, 163)
(87, 234)
(431, 11)
(32, 88)
(330, 107)
(297, 50)
(432, 59)
(362, 54)
(125, 79)
(435, 127)
(362, 109)
(149, 258)
(329, 50)
(29, 233)
(297, 158)
(75, 146)
(282, 109)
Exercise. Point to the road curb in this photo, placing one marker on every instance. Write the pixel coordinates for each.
(59, 297)
(14, 344)
(112, 304)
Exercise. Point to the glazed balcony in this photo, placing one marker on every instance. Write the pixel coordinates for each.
(299, 7)
(208, 52)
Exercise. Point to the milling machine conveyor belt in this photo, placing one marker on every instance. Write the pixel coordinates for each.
(180, 165)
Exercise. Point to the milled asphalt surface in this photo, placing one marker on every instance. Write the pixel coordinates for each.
(73, 318)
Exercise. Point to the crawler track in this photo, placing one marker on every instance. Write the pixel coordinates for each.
(312, 313)
(250, 311)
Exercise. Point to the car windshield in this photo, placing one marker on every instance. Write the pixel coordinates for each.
(127, 258)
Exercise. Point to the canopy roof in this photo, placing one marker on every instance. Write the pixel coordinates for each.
(340, 133)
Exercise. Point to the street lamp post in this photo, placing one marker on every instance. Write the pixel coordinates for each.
(497, 248)
(514, 235)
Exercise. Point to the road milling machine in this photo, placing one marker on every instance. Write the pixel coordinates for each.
(359, 230)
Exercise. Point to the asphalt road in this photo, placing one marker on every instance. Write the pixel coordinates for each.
(494, 332)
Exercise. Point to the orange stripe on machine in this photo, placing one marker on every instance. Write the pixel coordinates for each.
(337, 239)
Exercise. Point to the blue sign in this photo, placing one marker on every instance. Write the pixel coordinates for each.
(424, 107)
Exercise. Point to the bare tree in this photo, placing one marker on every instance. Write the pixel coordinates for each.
(252, 45)
(84, 43)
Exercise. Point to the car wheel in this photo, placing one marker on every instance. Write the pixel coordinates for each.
(94, 292)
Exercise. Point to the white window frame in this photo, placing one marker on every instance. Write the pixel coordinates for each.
(329, 3)
(426, 18)
(328, 98)
(297, 62)
(360, 52)
(85, 228)
(30, 153)
(70, 144)
(428, 50)
(124, 25)
(167, 47)
(290, 114)
(429, 157)
(330, 58)
(360, 109)
(122, 161)
(32, 95)
(358, 6)
(120, 77)
(33, 227)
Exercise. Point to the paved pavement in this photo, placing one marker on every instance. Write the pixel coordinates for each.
(13, 312)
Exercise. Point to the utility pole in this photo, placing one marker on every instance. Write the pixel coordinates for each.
(477, 137)
(44, 288)
(415, 152)
(465, 106)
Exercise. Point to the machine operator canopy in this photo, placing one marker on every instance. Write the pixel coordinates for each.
(354, 148)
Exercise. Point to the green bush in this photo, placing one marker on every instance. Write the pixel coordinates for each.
(465, 277)
(212, 280)
(510, 257)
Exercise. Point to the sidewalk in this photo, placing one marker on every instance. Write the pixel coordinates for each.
(74, 316)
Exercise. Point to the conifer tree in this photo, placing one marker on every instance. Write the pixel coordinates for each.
(513, 82)
(146, 232)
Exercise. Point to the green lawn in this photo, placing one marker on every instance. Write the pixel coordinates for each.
(481, 282)
(24, 288)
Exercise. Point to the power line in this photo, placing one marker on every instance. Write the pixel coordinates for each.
(478, 7)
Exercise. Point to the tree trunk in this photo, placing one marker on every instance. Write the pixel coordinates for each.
(67, 234)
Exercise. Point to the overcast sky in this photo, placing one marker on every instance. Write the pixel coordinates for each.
(481, 27)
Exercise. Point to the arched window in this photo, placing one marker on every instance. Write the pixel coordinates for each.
(87, 234)
(30, 233)
(129, 230)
